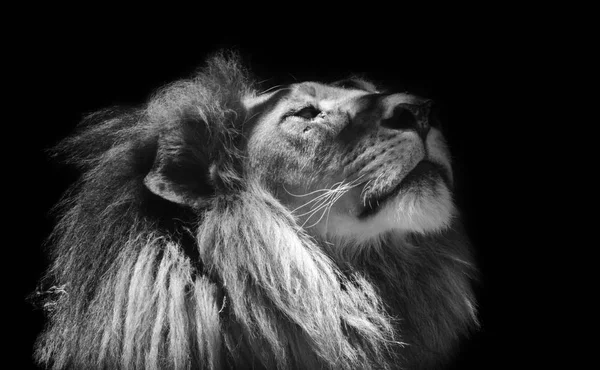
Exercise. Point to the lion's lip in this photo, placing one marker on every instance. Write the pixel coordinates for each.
(421, 170)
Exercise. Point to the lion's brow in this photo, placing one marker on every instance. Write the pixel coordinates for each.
(267, 105)
(355, 83)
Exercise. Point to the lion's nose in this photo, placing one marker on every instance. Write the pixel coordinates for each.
(406, 112)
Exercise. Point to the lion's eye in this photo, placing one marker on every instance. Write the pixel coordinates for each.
(308, 113)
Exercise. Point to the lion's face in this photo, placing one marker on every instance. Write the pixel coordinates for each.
(351, 162)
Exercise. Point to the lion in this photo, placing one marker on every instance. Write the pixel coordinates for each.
(308, 226)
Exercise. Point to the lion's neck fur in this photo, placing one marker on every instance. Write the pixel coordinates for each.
(280, 282)
(264, 293)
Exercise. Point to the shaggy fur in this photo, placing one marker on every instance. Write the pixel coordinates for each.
(234, 281)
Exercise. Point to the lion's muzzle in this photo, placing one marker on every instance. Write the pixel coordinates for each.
(393, 111)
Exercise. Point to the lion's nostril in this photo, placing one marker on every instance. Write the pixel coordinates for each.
(402, 119)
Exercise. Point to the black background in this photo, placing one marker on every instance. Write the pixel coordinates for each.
(470, 70)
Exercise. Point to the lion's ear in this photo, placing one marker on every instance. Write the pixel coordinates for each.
(166, 189)
(180, 173)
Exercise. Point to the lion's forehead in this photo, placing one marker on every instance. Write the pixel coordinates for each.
(330, 92)
(324, 96)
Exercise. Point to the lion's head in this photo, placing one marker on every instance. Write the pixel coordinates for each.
(306, 226)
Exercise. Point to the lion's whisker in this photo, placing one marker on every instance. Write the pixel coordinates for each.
(325, 207)
(330, 206)
(362, 193)
(351, 185)
(271, 89)
(321, 206)
(341, 189)
(249, 118)
(304, 195)
(317, 199)
(337, 187)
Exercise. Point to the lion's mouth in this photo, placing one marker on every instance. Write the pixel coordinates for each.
(424, 173)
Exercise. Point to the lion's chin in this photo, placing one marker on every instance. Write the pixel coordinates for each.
(421, 209)
(420, 181)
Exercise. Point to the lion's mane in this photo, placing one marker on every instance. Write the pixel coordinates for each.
(236, 282)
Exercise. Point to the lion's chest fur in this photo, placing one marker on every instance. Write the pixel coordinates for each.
(425, 284)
